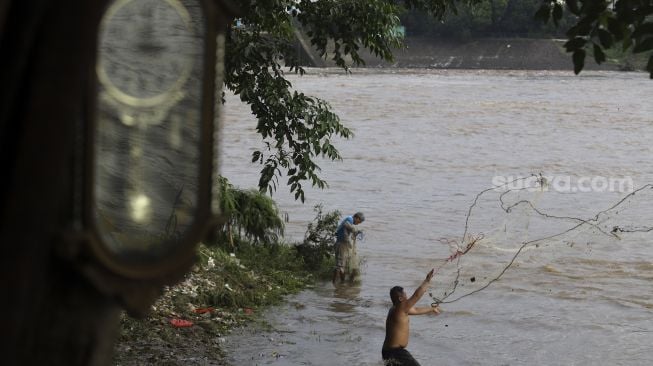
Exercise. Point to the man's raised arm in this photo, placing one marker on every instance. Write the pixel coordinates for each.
(419, 292)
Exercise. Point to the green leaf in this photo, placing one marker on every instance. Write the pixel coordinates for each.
(616, 28)
(605, 38)
(599, 55)
(572, 5)
(256, 155)
(579, 60)
(575, 44)
(557, 13)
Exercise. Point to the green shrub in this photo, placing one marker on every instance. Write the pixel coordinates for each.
(249, 215)
(317, 249)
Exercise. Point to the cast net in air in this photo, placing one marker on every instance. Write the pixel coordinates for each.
(525, 224)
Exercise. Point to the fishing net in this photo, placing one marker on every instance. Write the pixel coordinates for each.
(523, 223)
(354, 261)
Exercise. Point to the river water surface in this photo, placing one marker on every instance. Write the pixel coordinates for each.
(426, 142)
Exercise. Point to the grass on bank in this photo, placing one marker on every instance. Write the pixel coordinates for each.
(225, 289)
(222, 291)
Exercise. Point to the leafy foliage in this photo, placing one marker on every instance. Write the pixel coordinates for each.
(296, 128)
(602, 25)
(319, 239)
(249, 214)
(256, 276)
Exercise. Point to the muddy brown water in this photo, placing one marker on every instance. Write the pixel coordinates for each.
(426, 142)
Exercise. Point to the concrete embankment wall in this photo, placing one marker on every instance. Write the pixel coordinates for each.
(485, 53)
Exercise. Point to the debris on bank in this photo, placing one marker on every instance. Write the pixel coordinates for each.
(188, 323)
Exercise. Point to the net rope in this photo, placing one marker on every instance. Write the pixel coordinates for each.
(512, 238)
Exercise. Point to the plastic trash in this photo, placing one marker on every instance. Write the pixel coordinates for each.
(181, 323)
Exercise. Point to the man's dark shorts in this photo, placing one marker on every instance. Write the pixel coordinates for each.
(398, 357)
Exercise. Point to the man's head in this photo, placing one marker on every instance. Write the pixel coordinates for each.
(358, 218)
(397, 295)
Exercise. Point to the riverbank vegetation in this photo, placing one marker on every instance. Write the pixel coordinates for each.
(245, 268)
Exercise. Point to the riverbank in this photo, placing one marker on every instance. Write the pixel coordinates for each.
(225, 290)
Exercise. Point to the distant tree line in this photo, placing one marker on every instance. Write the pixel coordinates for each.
(492, 18)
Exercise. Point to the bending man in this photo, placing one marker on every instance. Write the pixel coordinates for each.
(397, 324)
(345, 236)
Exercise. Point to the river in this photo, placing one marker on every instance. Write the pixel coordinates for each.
(426, 143)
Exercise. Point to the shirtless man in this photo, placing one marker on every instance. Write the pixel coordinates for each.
(397, 324)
